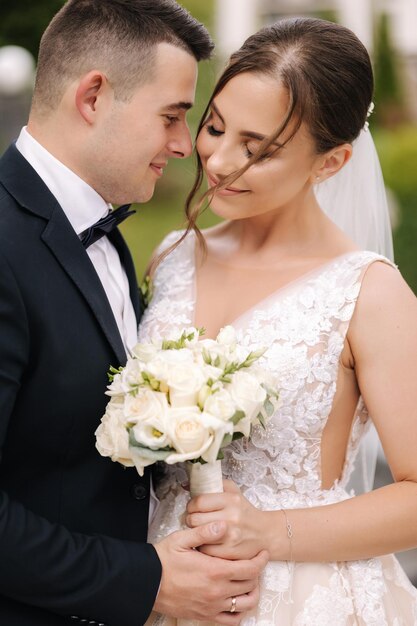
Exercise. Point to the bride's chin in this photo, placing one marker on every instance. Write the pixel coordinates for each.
(221, 209)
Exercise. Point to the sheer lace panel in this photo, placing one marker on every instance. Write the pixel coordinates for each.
(304, 326)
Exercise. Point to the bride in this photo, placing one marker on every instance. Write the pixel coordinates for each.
(338, 321)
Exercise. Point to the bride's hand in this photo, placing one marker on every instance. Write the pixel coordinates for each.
(245, 535)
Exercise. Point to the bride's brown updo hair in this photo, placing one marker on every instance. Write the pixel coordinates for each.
(327, 73)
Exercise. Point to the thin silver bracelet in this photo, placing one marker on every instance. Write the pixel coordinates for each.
(289, 531)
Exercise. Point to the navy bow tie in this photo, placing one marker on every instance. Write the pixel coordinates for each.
(105, 225)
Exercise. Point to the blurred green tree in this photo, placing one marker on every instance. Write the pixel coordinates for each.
(390, 108)
(22, 22)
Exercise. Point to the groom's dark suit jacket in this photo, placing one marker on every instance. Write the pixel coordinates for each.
(72, 523)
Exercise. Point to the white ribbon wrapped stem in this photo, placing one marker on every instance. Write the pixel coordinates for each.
(205, 478)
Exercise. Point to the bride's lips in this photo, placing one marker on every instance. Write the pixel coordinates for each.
(158, 168)
(228, 191)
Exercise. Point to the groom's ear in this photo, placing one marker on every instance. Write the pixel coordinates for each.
(92, 95)
(331, 162)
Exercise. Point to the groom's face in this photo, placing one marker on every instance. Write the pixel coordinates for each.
(136, 138)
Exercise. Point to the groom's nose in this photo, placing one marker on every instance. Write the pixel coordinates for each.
(180, 144)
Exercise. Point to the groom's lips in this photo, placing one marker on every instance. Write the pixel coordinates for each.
(158, 168)
(228, 191)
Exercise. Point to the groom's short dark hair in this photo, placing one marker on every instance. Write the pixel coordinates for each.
(118, 37)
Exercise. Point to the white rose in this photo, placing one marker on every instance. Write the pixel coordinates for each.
(145, 352)
(211, 372)
(130, 377)
(189, 435)
(117, 387)
(184, 383)
(151, 434)
(249, 396)
(227, 336)
(166, 360)
(219, 428)
(220, 404)
(145, 405)
(195, 434)
(112, 438)
(196, 336)
(148, 411)
(122, 383)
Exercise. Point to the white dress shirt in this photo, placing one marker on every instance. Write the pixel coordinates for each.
(83, 207)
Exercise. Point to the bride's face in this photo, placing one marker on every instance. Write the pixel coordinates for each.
(249, 108)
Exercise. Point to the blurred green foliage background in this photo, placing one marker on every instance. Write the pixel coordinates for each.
(23, 21)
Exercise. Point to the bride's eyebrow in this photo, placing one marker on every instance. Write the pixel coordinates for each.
(217, 112)
(244, 133)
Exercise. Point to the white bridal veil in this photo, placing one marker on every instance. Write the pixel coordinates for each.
(355, 199)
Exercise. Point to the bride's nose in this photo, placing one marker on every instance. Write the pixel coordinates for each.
(222, 161)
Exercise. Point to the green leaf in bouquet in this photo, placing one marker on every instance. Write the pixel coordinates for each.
(269, 407)
(172, 344)
(150, 381)
(261, 419)
(237, 416)
(237, 436)
(155, 455)
(252, 357)
(228, 438)
(178, 344)
(147, 290)
(206, 356)
(199, 460)
(113, 371)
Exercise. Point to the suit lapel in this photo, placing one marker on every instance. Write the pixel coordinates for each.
(70, 253)
(22, 182)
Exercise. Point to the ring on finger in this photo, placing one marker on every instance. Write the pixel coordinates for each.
(233, 607)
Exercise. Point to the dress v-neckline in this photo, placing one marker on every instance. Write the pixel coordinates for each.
(264, 302)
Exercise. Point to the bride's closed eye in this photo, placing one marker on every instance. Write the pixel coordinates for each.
(213, 131)
(249, 153)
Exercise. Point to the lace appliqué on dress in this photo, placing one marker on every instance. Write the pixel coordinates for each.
(304, 326)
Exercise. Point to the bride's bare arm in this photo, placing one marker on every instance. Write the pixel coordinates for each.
(383, 342)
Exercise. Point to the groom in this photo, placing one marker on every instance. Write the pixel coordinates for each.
(115, 80)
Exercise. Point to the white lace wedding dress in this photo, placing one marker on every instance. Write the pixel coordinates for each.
(304, 324)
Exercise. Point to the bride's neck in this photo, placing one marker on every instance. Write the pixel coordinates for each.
(288, 233)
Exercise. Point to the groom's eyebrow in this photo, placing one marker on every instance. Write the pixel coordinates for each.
(179, 106)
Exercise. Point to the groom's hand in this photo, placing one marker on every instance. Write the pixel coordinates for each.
(200, 587)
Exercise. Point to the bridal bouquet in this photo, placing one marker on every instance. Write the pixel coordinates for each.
(184, 399)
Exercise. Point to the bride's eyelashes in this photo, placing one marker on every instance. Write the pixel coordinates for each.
(214, 132)
(249, 153)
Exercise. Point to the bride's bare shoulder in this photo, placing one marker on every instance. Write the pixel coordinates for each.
(383, 281)
(386, 306)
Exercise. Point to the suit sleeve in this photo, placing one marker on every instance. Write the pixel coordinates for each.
(97, 578)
